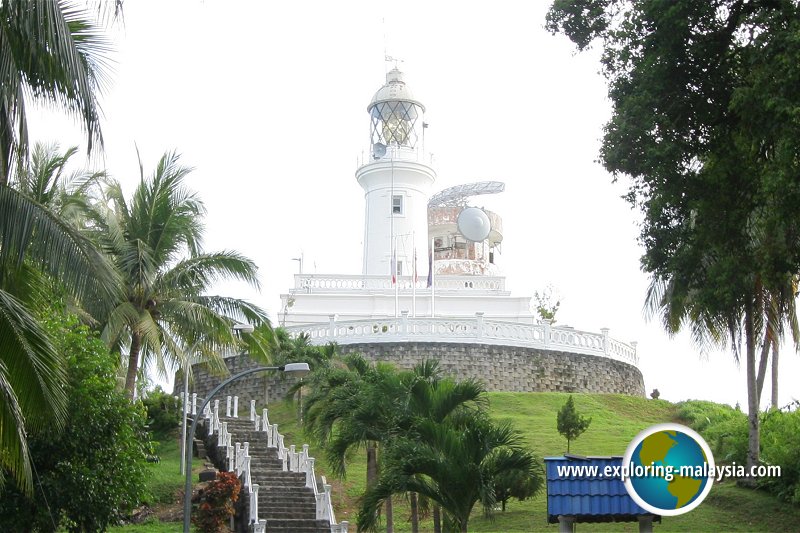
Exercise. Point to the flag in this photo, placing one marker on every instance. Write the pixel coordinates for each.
(394, 267)
(430, 268)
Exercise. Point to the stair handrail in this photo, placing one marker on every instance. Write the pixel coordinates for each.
(238, 458)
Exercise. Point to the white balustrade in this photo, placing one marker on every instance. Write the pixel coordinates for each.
(246, 471)
(344, 283)
(254, 504)
(476, 329)
(238, 459)
(235, 407)
(238, 462)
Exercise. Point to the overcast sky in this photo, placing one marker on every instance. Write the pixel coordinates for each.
(267, 100)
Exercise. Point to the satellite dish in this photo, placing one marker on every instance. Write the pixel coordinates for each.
(473, 223)
(378, 150)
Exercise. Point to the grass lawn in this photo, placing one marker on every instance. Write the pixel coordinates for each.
(616, 419)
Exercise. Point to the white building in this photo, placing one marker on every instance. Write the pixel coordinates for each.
(468, 301)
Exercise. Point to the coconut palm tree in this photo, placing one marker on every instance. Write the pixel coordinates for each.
(45, 181)
(52, 52)
(38, 250)
(454, 463)
(155, 242)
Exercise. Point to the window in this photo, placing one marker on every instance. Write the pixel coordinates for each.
(399, 269)
(397, 204)
(491, 257)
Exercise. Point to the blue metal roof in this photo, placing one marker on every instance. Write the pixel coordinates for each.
(588, 498)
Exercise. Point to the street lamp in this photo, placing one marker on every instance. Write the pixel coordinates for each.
(240, 328)
(299, 369)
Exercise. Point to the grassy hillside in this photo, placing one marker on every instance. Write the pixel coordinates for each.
(616, 419)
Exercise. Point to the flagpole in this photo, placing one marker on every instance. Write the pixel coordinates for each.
(433, 280)
(414, 278)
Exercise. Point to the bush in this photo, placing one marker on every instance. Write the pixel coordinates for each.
(722, 426)
(163, 411)
(93, 471)
(780, 445)
(216, 503)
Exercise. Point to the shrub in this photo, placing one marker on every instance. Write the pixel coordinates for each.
(780, 445)
(93, 471)
(722, 426)
(216, 503)
(163, 411)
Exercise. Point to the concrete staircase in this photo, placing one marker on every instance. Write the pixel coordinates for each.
(284, 500)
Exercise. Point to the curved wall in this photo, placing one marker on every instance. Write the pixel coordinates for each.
(501, 368)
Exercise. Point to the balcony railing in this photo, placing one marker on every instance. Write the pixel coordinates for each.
(335, 283)
(469, 330)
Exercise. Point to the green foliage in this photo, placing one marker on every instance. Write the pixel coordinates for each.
(780, 440)
(516, 484)
(93, 471)
(163, 411)
(154, 239)
(454, 463)
(723, 427)
(570, 423)
(216, 505)
(705, 124)
(547, 304)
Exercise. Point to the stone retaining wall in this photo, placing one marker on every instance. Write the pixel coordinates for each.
(501, 368)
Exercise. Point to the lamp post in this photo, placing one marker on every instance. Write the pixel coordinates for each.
(299, 369)
(240, 328)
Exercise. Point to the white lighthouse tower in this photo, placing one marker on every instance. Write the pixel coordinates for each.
(396, 181)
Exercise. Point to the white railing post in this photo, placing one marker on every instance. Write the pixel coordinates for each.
(231, 458)
(293, 459)
(635, 358)
(404, 322)
(605, 331)
(254, 504)
(194, 404)
(207, 411)
(228, 407)
(258, 423)
(246, 469)
(265, 421)
(311, 482)
(238, 462)
(252, 410)
(546, 323)
(331, 325)
(479, 319)
(235, 407)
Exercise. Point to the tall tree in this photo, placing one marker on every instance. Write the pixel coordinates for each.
(155, 242)
(705, 125)
(51, 51)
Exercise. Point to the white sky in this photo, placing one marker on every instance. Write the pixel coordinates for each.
(267, 100)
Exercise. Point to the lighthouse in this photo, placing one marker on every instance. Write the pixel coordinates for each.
(396, 179)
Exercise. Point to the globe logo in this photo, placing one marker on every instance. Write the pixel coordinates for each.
(668, 469)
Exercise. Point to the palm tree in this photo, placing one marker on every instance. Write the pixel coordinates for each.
(373, 404)
(45, 181)
(454, 463)
(51, 51)
(38, 250)
(155, 241)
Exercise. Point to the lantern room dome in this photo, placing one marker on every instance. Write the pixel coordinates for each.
(395, 89)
